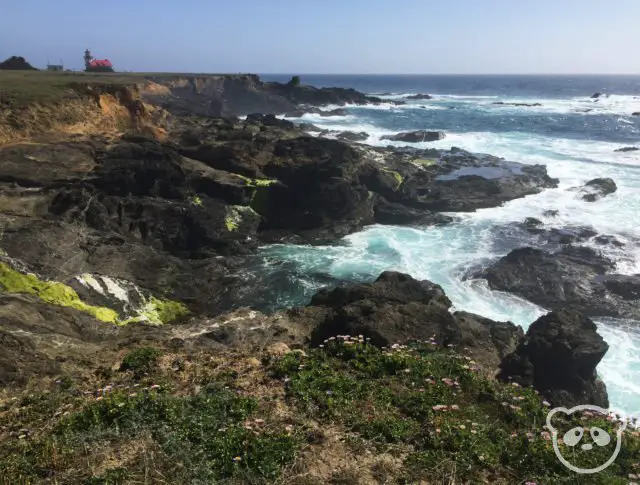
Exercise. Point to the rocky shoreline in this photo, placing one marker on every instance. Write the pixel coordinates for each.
(135, 224)
(156, 212)
(124, 234)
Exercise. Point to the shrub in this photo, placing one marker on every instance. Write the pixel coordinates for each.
(294, 82)
(141, 361)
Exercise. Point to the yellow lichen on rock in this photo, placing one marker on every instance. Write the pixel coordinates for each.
(154, 312)
(396, 175)
(51, 292)
(158, 312)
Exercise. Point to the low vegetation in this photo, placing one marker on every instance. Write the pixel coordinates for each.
(413, 415)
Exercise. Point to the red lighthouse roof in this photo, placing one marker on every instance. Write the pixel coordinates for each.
(100, 63)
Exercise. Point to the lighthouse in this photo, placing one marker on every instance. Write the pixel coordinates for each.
(96, 65)
(87, 59)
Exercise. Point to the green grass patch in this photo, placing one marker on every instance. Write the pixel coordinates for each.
(212, 437)
(436, 404)
(141, 361)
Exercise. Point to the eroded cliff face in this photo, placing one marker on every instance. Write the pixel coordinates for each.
(239, 95)
(214, 95)
(89, 110)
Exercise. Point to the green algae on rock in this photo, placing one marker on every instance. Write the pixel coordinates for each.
(154, 312)
(396, 175)
(158, 312)
(235, 216)
(256, 182)
(51, 292)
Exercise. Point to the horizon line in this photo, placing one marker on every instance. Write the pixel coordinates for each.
(448, 74)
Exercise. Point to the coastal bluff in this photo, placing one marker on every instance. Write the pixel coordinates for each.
(131, 208)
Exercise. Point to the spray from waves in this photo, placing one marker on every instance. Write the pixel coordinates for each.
(616, 105)
(445, 255)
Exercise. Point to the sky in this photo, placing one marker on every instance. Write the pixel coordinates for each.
(330, 36)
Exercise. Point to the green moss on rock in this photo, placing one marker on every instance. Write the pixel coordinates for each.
(196, 200)
(235, 215)
(260, 200)
(256, 182)
(51, 292)
(396, 175)
(158, 312)
(155, 312)
(425, 162)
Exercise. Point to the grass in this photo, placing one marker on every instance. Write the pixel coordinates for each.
(448, 417)
(21, 88)
(144, 433)
(421, 414)
(141, 361)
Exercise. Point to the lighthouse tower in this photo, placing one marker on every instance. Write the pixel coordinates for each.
(87, 58)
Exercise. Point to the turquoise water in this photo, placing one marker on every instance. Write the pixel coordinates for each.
(570, 133)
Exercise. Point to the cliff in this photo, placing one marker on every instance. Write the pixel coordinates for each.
(76, 108)
(125, 236)
(238, 95)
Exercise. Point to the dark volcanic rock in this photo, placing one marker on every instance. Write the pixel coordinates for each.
(454, 180)
(268, 120)
(597, 188)
(334, 112)
(558, 357)
(572, 278)
(397, 309)
(398, 214)
(605, 240)
(419, 96)
(309, 127)
(637, 113)
(596, 95)
(352, 136)
(627, 287)
(627, 149)
(244, 94)
(416, 136)
(502, 103)
(532, 223)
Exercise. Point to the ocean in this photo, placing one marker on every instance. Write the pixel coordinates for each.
(570, 133)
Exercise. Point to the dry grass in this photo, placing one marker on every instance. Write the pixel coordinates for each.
(20, 88)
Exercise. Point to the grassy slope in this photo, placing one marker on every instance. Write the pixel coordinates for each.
(346, 414)
(20, 88)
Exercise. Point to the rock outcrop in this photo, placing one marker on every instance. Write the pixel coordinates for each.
(241, 95)
(525, 105)
(574, 278)
(416, 136)
(558, 357)
(396, 308)
(419, 96)
(598, 188)
(627, 149)
(16, 63)
(353, 136)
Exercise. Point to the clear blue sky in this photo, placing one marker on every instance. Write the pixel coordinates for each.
(329, 36)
